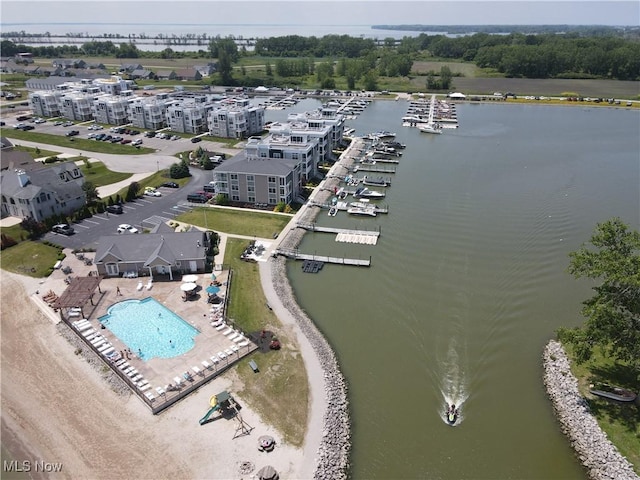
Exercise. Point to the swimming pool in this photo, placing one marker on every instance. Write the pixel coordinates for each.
(149, 329)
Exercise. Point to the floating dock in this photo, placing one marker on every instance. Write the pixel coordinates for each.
(295, 255)
(345, 235)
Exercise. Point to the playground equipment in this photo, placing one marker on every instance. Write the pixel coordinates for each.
(226, 405)
(213, 402)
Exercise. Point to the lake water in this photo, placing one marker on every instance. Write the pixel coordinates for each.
(468, 283)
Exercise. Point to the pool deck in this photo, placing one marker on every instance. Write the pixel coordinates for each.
(161, 372)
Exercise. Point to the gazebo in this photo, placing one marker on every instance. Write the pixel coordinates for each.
(78, 293)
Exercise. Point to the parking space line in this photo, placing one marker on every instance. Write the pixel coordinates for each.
(82, 226)
(143, 200)
(90, 221)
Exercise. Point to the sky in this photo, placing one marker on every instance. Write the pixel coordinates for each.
(309, 12)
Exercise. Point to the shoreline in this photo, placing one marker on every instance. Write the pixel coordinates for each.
(592, 447)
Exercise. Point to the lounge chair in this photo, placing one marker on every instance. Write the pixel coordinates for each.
(140, 286)
(239, 339)
(73, 314)
(150, 396)
(178, 381)
(81, 323)
(222, 355)
(89, 333)
(120, 362)
(137, 378)
(221, 326)
(124, 365)
(160, 390)
(227, 331)
(197, 371)
(215, 359)
(149, 284)
(142, 383)
(206, 364)
(243, 343)
(132, 373)
(145, 387)
(229, 352)
(234, 336)
(234, 348)
(108, 351)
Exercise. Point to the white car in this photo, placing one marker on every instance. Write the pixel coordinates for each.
(126, 228)
(152, 192)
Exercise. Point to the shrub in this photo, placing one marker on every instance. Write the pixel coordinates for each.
(6, 241)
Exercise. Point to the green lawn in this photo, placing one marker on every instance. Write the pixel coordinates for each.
(99, 174)
(74, 142)
(16, 232)
(30, 258)
(282, 376)
(236, 222)
(36, 152)
(621, 422)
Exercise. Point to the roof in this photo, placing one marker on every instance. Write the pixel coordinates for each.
(258, 166)
(152, 248)
(47, 179)
(78, 293)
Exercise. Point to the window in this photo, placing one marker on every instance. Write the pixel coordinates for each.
(272, 179)
(234, 176)
(251, 178)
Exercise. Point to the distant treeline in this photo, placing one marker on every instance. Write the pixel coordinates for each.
(549, 55)
(585, 30)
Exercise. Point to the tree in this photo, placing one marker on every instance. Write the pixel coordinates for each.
(613, 313)
(445, 77)
(90, 192)
(132, 191)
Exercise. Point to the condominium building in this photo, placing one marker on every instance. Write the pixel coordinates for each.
(269, 171)
(45, 103)
(112, 110)
(235, 118)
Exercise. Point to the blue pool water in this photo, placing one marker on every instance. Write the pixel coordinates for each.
(149, 329)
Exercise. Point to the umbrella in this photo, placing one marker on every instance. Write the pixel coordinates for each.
(211, 289)
(213, 276)
(267, 473)
(190, 278)
(187, 287)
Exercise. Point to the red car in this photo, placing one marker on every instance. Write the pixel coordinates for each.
(206, 194)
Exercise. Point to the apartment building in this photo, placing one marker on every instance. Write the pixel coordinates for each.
(269, 171)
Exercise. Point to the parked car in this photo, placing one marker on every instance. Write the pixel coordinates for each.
(114, 209)
(67, 124)
(28, 127)
(72, 133)
(39, 120)
(137, 141)
(209, 188)
(63, 229)
(196, 198)
(196, 140)
(152, 192)
(150, 134)
(208, 195)
(170, 185)
(126, 228)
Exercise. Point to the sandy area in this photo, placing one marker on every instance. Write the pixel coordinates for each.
(57, 408)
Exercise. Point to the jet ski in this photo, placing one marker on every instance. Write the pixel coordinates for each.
(452, 414)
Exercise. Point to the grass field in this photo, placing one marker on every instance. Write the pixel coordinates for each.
(29, 258)
(99, 174)
(474, 80)
(280, 393)
(236, 222)
(621, 422)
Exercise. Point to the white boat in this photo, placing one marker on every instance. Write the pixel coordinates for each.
(433, 128)
(368, 211)
(333, 211)
(364, 192)
(382, 135)
(376, 182)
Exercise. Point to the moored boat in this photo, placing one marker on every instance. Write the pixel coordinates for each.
(433, 128)
(376, 182)
(364, 192)
(367, 211)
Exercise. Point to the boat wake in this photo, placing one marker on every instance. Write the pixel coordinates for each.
(453, 384)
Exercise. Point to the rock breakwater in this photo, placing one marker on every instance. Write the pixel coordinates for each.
(598, 455)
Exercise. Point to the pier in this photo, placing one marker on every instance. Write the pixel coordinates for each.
(295, 255)
(372, 168)
(345, 235)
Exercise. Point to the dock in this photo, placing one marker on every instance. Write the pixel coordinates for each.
(295, 255)
(372, 168)
(345, 235)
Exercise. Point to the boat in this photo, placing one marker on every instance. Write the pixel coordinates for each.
(382, 135)
(368, 210)
(610, 392)
(376, 182)
(333, 211)
(452, 414)
(433, 128)
(364, 192)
